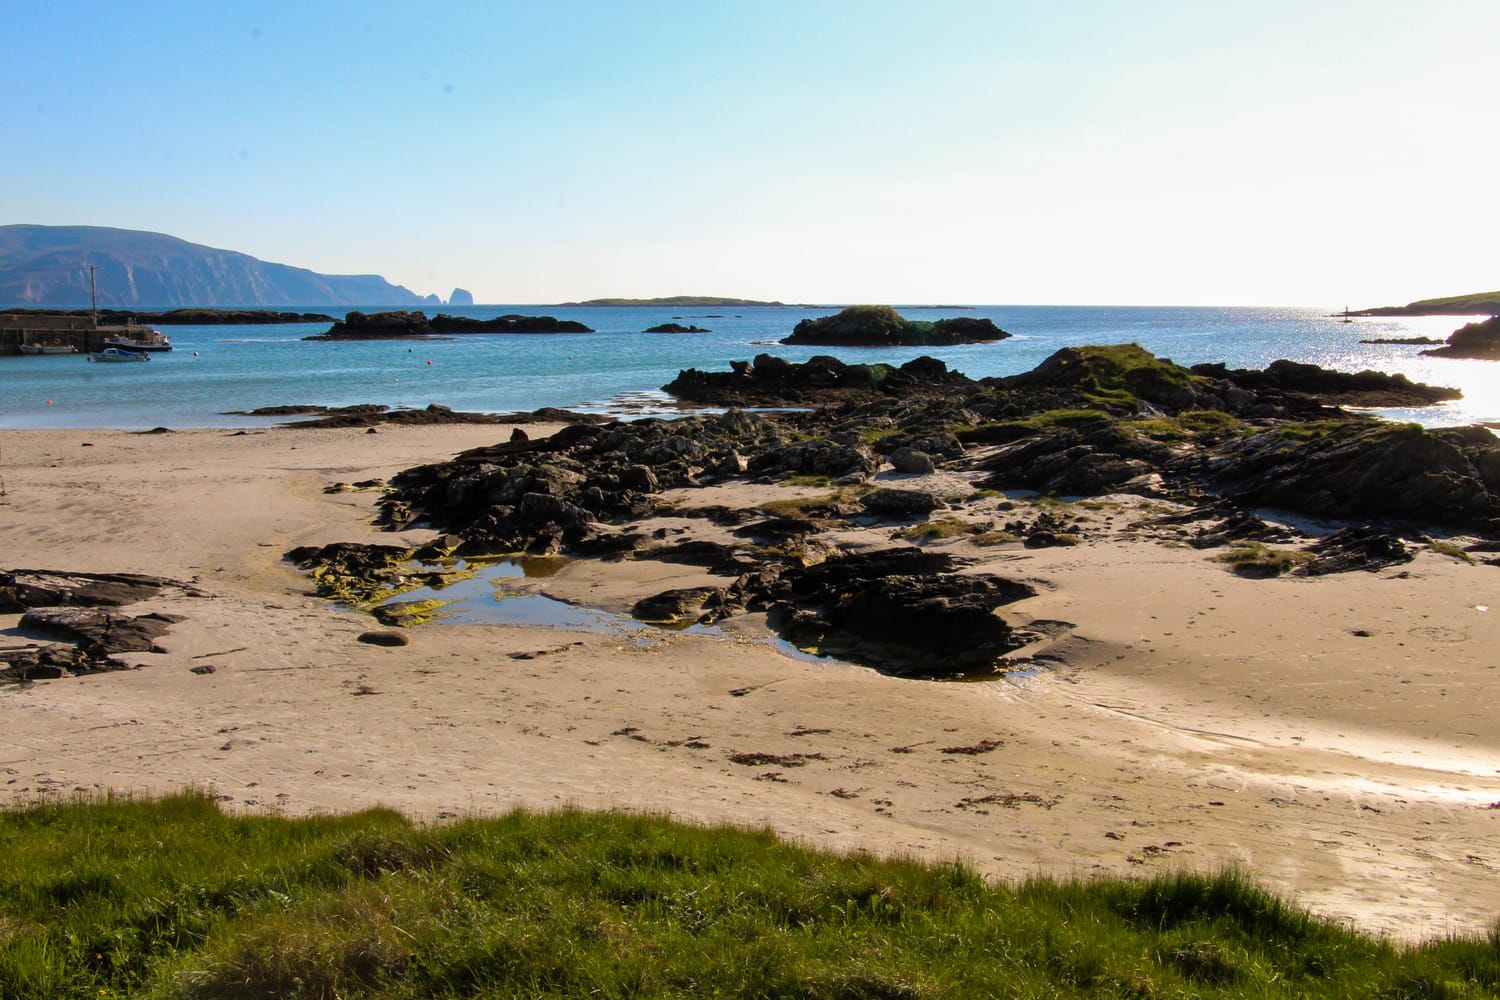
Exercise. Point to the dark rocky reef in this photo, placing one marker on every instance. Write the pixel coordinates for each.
(769, 381)
(1366, 469)
(408, 325)
(1480, 341)
(675, 328)
(1322, 385)
(882, 326)
(573, 488)
(373, 414)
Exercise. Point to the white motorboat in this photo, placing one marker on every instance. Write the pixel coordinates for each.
(119, 354)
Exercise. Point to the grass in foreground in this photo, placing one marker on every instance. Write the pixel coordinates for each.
(172, 898)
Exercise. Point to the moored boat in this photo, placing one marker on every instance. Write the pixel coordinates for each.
(159, 344)
(119, 354)
(52, 348)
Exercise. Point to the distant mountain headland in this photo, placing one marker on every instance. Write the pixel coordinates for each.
(1474, 304)
(675, 300)
(190, 316)
(48, 266)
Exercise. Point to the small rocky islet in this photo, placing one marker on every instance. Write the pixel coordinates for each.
(415, 325)
(882, 326)
(1208, 445)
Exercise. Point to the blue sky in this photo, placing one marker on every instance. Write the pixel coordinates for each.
(1152, 152)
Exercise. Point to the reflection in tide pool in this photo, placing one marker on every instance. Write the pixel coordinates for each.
(477, 594)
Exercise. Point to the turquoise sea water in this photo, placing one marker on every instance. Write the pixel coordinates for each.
(619, 369)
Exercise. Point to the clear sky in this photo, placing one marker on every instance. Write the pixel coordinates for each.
(1136, 151)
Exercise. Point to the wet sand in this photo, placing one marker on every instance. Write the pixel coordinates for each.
(1331, 735)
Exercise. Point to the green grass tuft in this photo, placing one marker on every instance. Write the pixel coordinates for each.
(174, 899)
(1256, 560)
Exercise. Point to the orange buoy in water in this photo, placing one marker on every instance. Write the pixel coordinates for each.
(429, 361)
(49, 402)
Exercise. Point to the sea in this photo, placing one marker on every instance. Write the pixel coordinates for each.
(619, 369)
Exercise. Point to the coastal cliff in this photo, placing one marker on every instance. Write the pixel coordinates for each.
(48, 266)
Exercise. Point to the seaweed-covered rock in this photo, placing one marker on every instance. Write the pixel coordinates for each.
(681, 607)
(1123, 376)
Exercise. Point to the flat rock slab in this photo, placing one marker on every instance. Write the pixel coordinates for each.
(100, 633)
(21, 589)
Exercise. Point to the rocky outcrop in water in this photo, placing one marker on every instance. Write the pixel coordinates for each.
(1480, 341)
(675, 328)
(1300, 386)
(770, 381)
(882, 326)
(406, 325)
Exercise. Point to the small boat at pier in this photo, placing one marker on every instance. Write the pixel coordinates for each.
(120, 354)
(52, 348)
(160, 343)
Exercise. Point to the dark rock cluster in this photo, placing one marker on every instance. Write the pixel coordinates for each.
(81, 610)
(1089, 421)
(772, 381)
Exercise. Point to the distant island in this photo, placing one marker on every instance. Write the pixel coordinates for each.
(1473, 304)
(672, 300)
(48, 266)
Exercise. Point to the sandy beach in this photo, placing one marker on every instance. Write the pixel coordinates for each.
(1334, 735)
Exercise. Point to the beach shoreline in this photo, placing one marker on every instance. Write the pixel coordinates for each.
(1330, 735)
